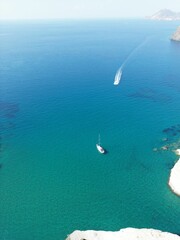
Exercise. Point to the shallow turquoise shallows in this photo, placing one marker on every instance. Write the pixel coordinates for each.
(56, 96)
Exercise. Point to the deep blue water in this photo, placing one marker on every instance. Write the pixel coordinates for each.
(56, 96)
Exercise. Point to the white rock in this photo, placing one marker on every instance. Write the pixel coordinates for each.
(177, 151)
(123, 234)
(174, 180)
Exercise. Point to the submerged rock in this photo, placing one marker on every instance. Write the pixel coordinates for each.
(123, 234)
(177, 152)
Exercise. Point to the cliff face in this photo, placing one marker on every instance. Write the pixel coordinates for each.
(174, 180)
(176, 35)
(165, 14)
(123, 234)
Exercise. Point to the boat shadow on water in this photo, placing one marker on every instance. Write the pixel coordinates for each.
(105, 151)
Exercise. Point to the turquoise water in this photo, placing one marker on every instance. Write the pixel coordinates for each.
(56, 96)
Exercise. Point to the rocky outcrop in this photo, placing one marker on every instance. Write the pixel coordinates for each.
(176, 35)
(174, 180)
(165, 14)
(123, 234)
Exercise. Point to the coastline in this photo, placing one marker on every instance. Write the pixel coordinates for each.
(176, 35)
(174, 179)
(134, 233)
(123, 234)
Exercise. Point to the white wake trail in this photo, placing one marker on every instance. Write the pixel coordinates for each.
(132, 53)
(119, 71)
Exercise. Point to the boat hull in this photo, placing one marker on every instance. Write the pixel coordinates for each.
(100, 149)
(118, 77)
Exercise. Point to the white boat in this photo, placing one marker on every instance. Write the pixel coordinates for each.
(99, 147)
(118, 77)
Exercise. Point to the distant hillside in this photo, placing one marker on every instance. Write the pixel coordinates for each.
(165, 14)
(176, 35)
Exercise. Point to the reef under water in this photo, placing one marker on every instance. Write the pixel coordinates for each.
(151, 94)
(170, 140)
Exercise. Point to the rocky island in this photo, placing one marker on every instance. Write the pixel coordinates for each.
(123, 234)
(176, 35)
(165, 14)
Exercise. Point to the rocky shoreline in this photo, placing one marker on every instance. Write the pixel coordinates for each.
(174, 179)
(123, 234)
(176, 35)
(134, 233)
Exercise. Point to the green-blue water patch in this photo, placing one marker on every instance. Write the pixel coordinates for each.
(57, 95)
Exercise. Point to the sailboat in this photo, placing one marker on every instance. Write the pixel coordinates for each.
(118, 77)
(99, 147)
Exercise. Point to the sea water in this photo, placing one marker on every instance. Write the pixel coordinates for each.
(56, 96)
